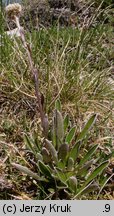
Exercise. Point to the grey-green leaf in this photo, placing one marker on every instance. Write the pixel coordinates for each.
(58, 105)
(70, 164)
(44, 169)
(28, 172)
(70, 135)
(29, 143)
(66, 123)
(61, 175)
(58, 128)
(73, 183)
(63, 150)
(36, 141)
(98, 170)
(74, 151)
(49, 146)
(107, 157)
(84, 169)
(92, 176)
(46, 155)
(87, 127)
(88, 155)
(91, 188)
(39, 157)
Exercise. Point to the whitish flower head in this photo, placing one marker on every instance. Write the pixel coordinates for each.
(13, 10)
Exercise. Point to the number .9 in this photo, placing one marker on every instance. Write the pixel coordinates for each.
(107, 208)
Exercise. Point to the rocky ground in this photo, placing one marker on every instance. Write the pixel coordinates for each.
(44, 13)
(48, 13)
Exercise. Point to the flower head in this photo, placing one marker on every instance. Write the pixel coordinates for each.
(13, 10)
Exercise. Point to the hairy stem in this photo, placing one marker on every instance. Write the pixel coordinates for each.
(34, 71)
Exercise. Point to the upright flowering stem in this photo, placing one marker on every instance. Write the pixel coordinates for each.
(13, 11)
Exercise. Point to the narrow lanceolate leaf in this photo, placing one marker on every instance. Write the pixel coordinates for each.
(94, 174)
(98, 170)
(58, 128)
(88, 155)
(49, 146)
(61, 164)
(87, 127)
(29, 143)
(84, 169)
(45, 125)
(61, 175)
(73, 183)
(70, 164)
(70, 135)
(107, 157)
(63, 150)
(28, 172)
(39, 157)
(74, 151)
(66, 123)
(58, 105)
(36, 141)
(61, 185)
(44, 169)
(91, 188)
(46, 155)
